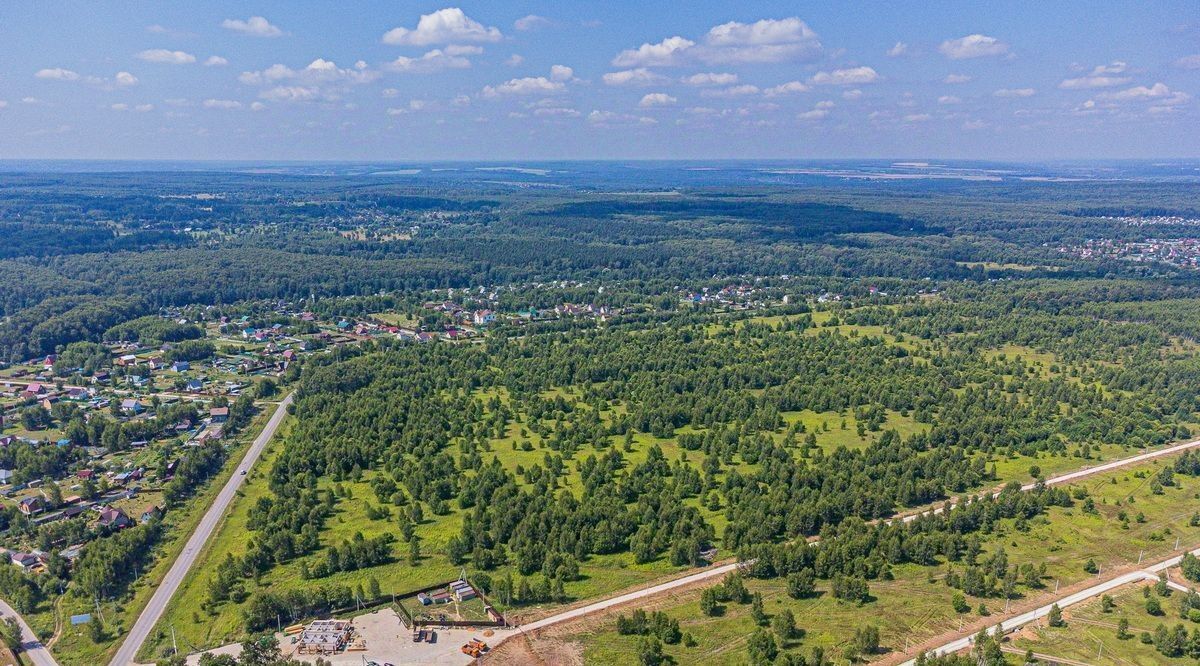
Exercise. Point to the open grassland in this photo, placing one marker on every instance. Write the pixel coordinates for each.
(1090, 634)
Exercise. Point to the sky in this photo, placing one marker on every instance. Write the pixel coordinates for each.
(514, 80)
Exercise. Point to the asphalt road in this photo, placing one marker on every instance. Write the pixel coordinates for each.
(712, 572)
(1148, 574)
(208, 524)
(33, 648)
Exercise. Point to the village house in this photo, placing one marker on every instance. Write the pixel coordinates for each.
(31, 505)
(153, 513)
(219, 414)
(114, 518)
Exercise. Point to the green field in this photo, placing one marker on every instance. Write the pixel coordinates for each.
(916, 605)
(1091, 634)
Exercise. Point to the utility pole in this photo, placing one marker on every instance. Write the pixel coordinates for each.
(174, 644)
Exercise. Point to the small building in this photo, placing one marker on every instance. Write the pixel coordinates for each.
(132, 406)
(219, 414)
(153, 513)
(6, 476)
(194, 386)
(114, 518)
(31, 505)
(181, 366)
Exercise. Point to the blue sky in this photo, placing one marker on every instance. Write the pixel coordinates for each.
(500, 80)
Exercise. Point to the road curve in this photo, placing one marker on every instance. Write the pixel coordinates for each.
(166, 589)
(32, 647)
(1150, 573)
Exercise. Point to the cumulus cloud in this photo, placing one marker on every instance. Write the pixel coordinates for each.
(529, 85)
(710, 79)
(1159, 94)
(1014, 92)
(767, 40)
(556, 112)
(656, 99)
(221, 104)
(57, 74)
(949, 99)
(531, 22)
(667, 52)
(633, 77)
(732, 91)
(973, 46)
(215, 61)
(255, 26)
(786, 89)
(166, 56)
(1189, 62)
(445, 26)
(898, 50)
(291, 93)
(917, 117)
(125, 79)
(612, 119)
(432, 61)
(514, 60)
(818, 112)
(843, 77)
(561, 73)
(1102, 76)
(954, 79)
(318, 71)
(852, 94)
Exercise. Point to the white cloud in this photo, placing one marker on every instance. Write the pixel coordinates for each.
(143, 108)
(556, 112)
(768, 40)
(818, 112)
(125, 79)
(257, 106)
(291, 94)
(319, 71)
(119, 107)
(656, 99)
(215, 61)
(710, 79)
(1159, 94)
(612, 119)
(786, 89)
(973, 46)
(531, 22)
(57, 74)
(432, 61)
(390, 93)
(255, 26)
(949, 99)
(732, 91)
(666, 52)
(561, 73)
(1102, 76)
(633, 77)
(954, 79)
(1189, 62)
(529, 85)
(852, 94)
(221, 104)
(445, 26)
(1014, 92)
(898, 50)
(845, 77)
(166, 56)
(917, 117)
(514, 60)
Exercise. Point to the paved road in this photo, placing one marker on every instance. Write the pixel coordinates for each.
(703, 574)
(723, 569)
(1148, 574)
(166, 589)
(33, 648)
